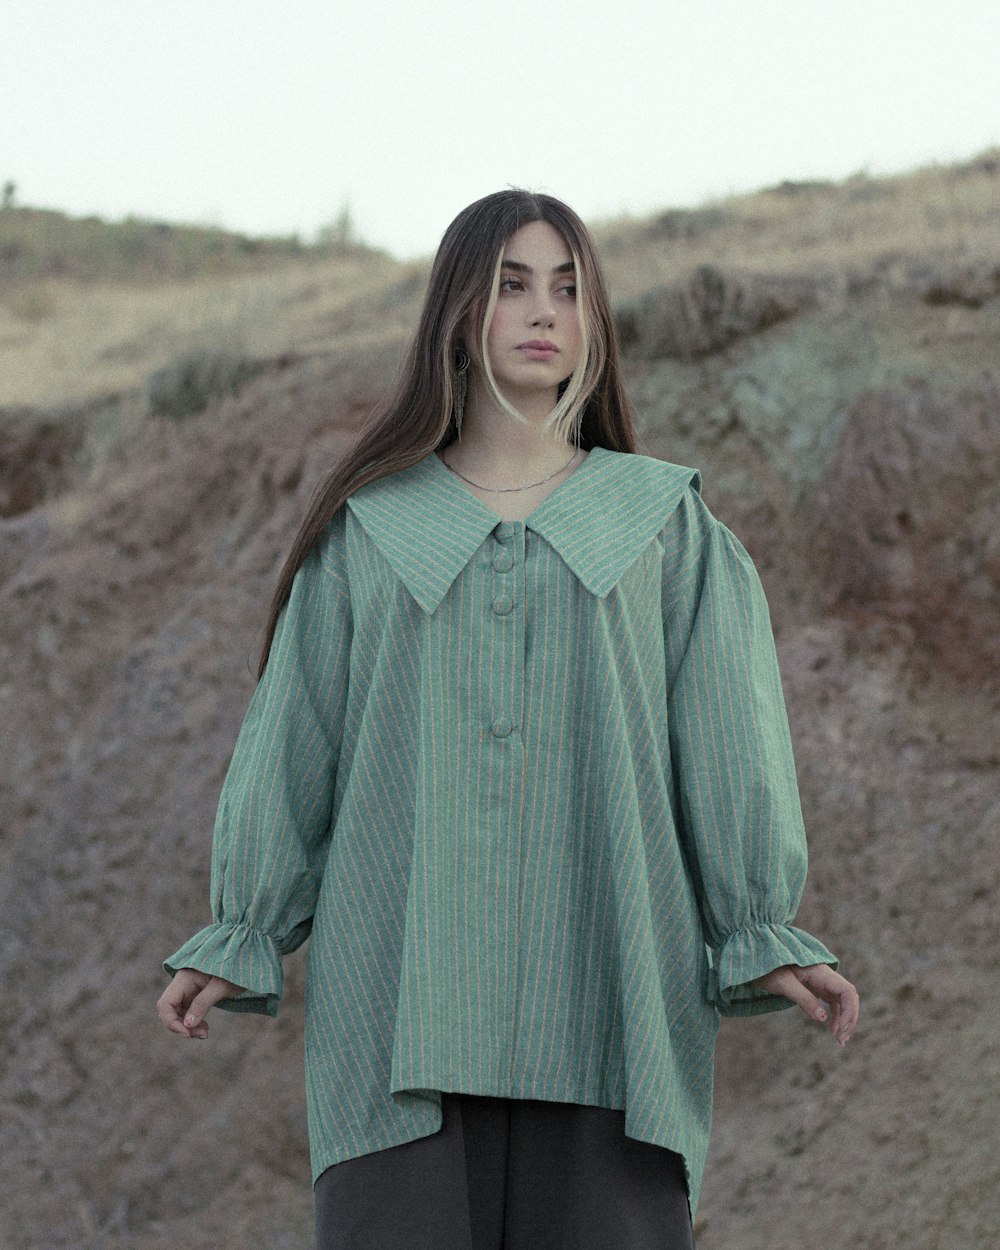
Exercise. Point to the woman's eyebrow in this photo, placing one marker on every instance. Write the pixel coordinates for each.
(520, 267)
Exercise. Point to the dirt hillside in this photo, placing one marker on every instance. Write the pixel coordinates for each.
(842, 399)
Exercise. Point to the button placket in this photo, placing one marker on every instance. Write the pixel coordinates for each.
(507, 698)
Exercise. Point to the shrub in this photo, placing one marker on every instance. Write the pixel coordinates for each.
(970, 286)
(687, 223)
(38, 452)
(706, 313)
(188, 384)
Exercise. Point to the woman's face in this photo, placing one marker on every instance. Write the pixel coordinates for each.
(534, 339)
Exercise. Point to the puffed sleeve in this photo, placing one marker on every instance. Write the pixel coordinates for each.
(733, 769)
(274, 815)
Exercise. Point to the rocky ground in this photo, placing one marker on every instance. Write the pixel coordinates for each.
(851, 437)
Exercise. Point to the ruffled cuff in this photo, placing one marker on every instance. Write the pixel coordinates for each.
(752, 952)
(239, 954)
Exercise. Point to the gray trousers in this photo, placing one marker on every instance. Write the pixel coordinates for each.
(509, 1174)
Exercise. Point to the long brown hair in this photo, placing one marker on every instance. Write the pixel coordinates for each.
(415, 417)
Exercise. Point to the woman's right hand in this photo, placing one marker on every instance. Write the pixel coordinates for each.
(187, 1000)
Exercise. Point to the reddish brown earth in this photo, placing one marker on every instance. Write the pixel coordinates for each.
(864, 480)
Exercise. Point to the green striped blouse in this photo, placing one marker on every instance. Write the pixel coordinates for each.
(529, 788)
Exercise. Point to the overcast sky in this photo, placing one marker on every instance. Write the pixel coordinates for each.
(268, 117)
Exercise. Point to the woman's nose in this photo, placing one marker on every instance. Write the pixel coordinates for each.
(543, 312)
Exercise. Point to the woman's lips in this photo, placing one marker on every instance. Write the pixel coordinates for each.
(538, 349)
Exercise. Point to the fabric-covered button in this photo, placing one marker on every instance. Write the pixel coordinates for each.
(503, 561)
(502, 726)
(503, 604)
(503, 533)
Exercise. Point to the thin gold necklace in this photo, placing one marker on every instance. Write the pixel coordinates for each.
(501, 490)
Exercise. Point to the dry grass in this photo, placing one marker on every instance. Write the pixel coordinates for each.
(946, 214)
(63, 340)
(104, 338)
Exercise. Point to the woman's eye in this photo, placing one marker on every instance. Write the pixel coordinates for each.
(569, 290)
(510, 284)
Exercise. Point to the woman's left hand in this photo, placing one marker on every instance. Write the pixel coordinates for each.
(811, 987)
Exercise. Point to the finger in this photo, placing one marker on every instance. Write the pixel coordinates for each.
(205, 1001)
(836, 1012)
(835, 999)
(840, 993)
(794, 989)
(846, 1009)
(836, 1003)
(851, 1009)
(171, 1004)
(176, 1026)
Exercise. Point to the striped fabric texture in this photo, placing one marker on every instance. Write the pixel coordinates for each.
(528, 786)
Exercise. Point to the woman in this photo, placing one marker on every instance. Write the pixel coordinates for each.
(518, 760)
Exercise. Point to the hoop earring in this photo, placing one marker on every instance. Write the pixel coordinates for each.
(460, 387)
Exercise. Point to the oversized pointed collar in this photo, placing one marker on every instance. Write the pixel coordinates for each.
(428, 525)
